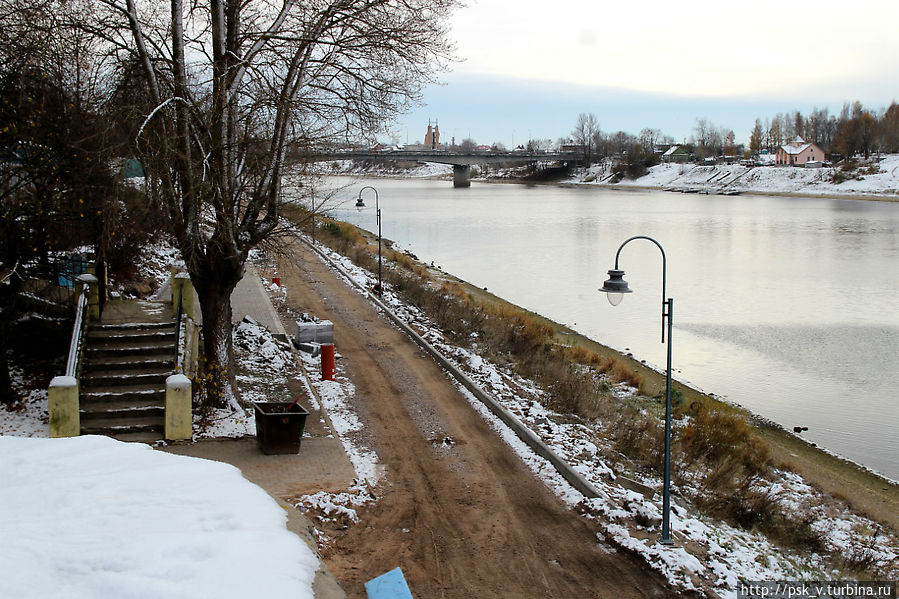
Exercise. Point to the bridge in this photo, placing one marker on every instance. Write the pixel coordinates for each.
(461, 162)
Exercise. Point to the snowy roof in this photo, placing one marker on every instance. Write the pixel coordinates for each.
(793, 150)
(674, 150)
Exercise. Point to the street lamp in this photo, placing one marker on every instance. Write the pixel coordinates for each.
(615, 288)
(360, 203)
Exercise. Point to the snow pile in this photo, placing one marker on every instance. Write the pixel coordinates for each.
(712, 554)
(93, 517)
(337, 507)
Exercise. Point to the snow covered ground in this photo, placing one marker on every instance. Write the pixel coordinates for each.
(765, 179)
(94, 517)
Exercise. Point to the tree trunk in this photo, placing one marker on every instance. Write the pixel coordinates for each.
(214, 292)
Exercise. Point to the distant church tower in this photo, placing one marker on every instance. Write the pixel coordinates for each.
(432, 137)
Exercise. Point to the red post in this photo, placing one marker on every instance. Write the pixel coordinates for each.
(327, 352)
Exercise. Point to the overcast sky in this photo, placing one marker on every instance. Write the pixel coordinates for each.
(529, 67)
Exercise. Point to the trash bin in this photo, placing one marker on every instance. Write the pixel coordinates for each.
(279, 426)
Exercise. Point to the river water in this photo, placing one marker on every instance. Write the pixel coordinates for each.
(786, 306)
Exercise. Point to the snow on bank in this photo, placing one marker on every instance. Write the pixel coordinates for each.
(711, 554)
(368, 168)
(93, 517)
(765, 179)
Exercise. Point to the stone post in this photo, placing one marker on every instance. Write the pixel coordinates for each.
(178, 414)
(177, 285)
(65, 420)
(93, 300)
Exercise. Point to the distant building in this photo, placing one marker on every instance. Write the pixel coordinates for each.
(677, 154)
(798, 152)
(432, 137)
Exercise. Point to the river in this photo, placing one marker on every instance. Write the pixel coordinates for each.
(786, 306)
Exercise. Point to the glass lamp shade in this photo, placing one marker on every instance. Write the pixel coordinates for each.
(615, 287)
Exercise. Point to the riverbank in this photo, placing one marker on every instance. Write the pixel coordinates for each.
(869, 492)
(875, 180)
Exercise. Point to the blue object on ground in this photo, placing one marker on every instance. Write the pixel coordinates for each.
(391, 585)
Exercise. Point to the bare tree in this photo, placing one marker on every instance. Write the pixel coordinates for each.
(468, 145)
(235, 88)
(55, 170)
(649, 137)
(585, 130)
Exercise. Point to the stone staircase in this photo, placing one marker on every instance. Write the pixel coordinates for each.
(122, 385)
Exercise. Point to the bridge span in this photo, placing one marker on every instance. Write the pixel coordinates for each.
(461, 162)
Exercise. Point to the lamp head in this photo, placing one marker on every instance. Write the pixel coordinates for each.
(615, 287)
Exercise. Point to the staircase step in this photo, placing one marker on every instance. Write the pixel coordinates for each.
(119, 410)
(131, 326)
(122, 401)
(130, 349)
(129, 362)
(126, 377)
(113, 425)
(139, 437)
(118, 335)
(123, 393)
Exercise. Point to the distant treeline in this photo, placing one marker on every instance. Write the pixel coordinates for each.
(856, 130)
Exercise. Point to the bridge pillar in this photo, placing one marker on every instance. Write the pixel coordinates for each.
(461, 175)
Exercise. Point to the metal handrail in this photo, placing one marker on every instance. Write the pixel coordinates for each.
(73, 361)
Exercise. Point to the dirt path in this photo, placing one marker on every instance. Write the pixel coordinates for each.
(463, 518)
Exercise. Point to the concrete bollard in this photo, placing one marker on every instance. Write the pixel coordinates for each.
(93, 298)
(327, 353)
(178, 414)
(65, 420)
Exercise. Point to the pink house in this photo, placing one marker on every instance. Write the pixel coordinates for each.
(798, 152)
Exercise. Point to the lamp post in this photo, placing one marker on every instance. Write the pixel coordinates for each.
(615, 287)
(360, 203)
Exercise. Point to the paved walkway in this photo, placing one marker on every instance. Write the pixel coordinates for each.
(321, 465)
(250, 298)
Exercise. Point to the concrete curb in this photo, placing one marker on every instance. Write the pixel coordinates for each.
(524, 433)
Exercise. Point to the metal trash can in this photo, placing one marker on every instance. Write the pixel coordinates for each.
(279, 429)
